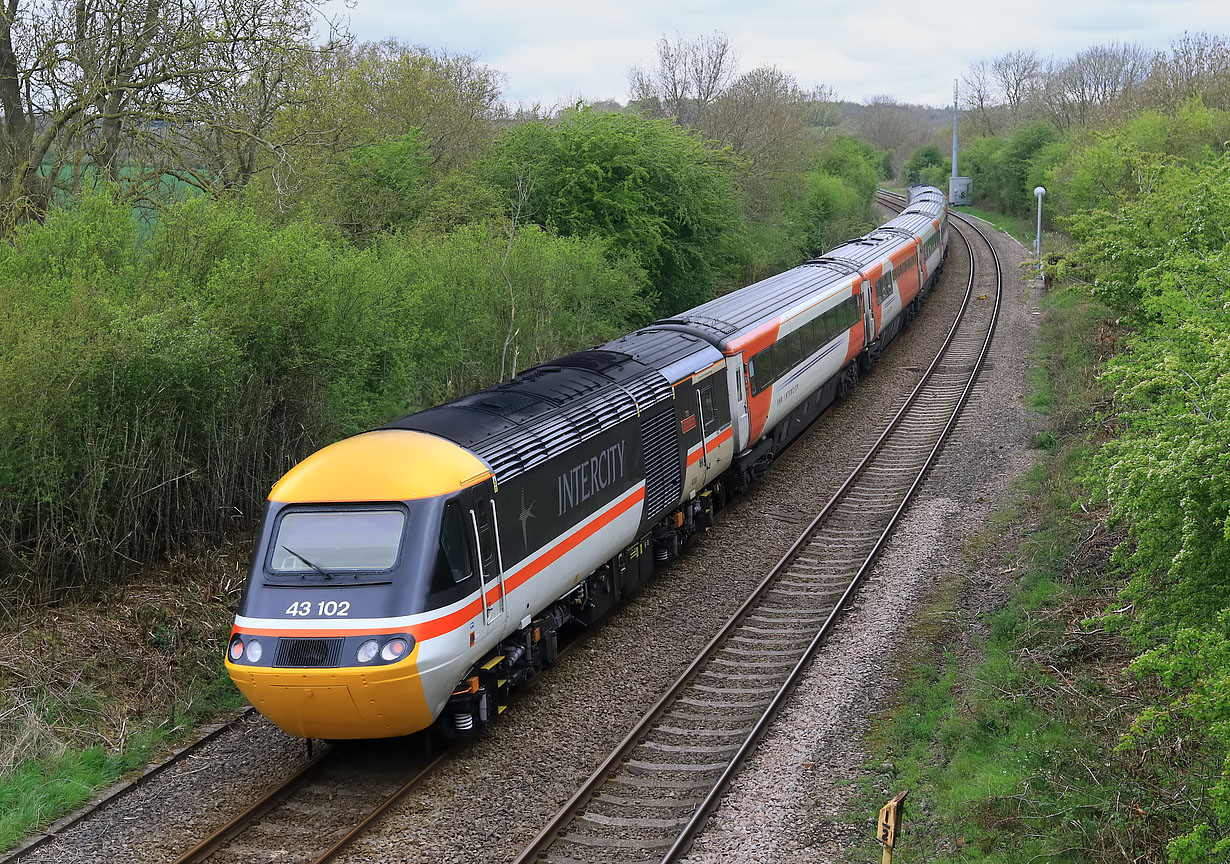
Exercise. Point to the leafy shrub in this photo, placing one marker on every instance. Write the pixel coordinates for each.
(648, 187)
(152, 391)
(922, 164)
(1162, 257)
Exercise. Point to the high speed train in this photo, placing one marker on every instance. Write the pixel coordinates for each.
(417, 573)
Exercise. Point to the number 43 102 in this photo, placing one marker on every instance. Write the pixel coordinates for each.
(324, 609)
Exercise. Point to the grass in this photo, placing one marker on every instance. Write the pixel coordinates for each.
(1021, 228)
(93, 689)
(1007, 740)
(40, 789)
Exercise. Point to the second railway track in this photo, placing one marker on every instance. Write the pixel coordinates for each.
(649, 798)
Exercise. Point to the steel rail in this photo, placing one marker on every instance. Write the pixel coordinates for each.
(258, 808)
(371, 818)
(122, 789)
(586, 794)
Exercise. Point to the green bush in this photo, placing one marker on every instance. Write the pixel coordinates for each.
(152, 391)
(922, 164)
(1162, 257)
(650, 188)
(796, 216)
(1001, 167)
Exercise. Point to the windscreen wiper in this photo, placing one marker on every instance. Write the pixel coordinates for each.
(315, 567)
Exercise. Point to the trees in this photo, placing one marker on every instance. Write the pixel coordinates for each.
(1092, 83)
(1017, 73)
(1197, 65)
(687, 78)
(1001, 167)
(979, 98)
(651, 188)
(114, 88)
(357, 106)
(763, 116)
(922, 164)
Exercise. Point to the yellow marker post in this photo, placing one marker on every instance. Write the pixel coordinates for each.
(891, 816)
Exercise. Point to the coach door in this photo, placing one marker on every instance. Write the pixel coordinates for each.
(486, 529)
(734, 374)
(869, 316)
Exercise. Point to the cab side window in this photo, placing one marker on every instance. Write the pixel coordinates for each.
(453, 556)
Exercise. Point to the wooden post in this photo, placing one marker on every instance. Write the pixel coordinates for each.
(891, 816)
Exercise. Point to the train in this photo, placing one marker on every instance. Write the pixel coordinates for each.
(413, 576)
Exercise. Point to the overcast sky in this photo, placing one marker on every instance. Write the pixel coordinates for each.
(556, 51)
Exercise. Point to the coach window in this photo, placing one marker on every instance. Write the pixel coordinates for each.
(815, 334)
(707, 414)
(796, 351)
(453, 559)
(766, 369)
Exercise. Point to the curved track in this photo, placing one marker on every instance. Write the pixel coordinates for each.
(651, 796)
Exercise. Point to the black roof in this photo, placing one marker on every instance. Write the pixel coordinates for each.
(661, 348)
(544, 411)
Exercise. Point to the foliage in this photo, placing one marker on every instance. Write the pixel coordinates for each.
(1194, 670)
(860, 164)
(90, 89)
(151, 392)
(654, 190)
(790, 218)
(1162, 257)
(1102, 169)
(1000, 167)
(921, 165)
(381, 186)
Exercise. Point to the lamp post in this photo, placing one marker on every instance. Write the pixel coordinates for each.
(1038, 193)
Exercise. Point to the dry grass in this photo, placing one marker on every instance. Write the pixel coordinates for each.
(90, 687)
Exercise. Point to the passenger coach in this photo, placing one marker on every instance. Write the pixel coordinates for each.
(423, 570)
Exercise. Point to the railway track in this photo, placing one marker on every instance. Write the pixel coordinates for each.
(311, 816)
(650, 797)
(110, 796)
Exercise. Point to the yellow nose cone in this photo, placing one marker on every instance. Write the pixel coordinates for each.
(385, 465)
(368, 702)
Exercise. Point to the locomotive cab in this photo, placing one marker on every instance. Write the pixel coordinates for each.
(369, 552)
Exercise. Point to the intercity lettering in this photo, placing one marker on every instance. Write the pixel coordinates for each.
(591, 477)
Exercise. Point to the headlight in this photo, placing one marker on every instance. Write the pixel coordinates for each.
(394, 649)
(367, 650)
(254, 651)
(236, 650)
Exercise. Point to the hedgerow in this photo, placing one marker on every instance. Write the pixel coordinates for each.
(152, 390)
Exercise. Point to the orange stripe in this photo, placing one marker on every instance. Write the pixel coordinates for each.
(425, 630)
(573, 541)
(717, 441)
(448, 623)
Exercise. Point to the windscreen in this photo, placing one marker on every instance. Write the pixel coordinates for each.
(327, 542)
